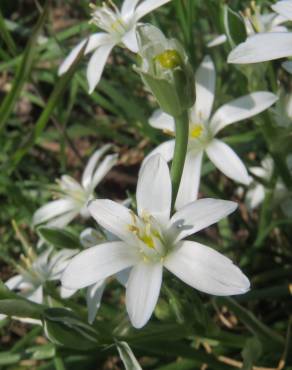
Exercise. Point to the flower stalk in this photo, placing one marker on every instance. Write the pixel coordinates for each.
(180, 151)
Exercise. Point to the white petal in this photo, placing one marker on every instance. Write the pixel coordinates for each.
(262, 47)
(280, 29)
(105, 166)
(128, 8)
(96, 40)
(287, 66)
(35, 295)
(154, 189)
(53, 209)
(66, 293)
(90, 237)
(147, 6)
(165, 149)
(63, 220)
(255, 196)
(130, 40)
(200, 214)
(14, 282)
(142, 292)
(70, 59)
(96, 65)
(205, 91)
(97, 263)
(190, 180)
(113, 217)
(207, 270)
(162, 120)
(67, 183)
(123, 276)
(227, 161)
(59, 262)
(283, 8)
(219, 40)
(242, 108)
(91, 165)
(260, 172)
(93, 298)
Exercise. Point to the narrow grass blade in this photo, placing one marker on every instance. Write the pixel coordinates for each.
(23, 70)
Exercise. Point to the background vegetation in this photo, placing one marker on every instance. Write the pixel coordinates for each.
(50, 125)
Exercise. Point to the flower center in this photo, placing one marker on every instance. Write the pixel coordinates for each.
(196, 131)
(72, 189)
(108, 18)
(169, 59)
(150, 238)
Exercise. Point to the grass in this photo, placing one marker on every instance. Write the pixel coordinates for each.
(50, 125)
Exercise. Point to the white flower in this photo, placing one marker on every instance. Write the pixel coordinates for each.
(74, 196)
(119, 27)
(255, 22)
(90, 238)
(256, 193)
(203, 129)
(153, 239)
(267, 45)
(35, 271)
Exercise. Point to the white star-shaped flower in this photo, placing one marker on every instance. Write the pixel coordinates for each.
(35, 271)
(203, 128)
(267, 45)
(152, 240)
(74, 196)
(120, 29)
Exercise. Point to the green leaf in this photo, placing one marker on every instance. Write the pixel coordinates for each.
(65, 328)
(21, 308)
(23, 71)
(251, 353)
(5, 35)
(59, 238)
(43, 352)
(54, 99)
(8, 358)
(5, 292)
(127, 356)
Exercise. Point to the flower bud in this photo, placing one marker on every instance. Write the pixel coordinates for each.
(165, 70)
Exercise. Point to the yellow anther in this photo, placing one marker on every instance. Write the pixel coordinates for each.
(169, 59)
(196, 131)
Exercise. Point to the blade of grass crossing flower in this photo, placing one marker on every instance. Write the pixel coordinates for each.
(46, 113)
(23, 70)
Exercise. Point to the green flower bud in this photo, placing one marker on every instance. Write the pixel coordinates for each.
(165, 70)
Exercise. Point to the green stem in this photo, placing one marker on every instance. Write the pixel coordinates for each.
(180, 151)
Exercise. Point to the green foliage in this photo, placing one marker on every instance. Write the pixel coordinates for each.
(59, 238)
(49, 126)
